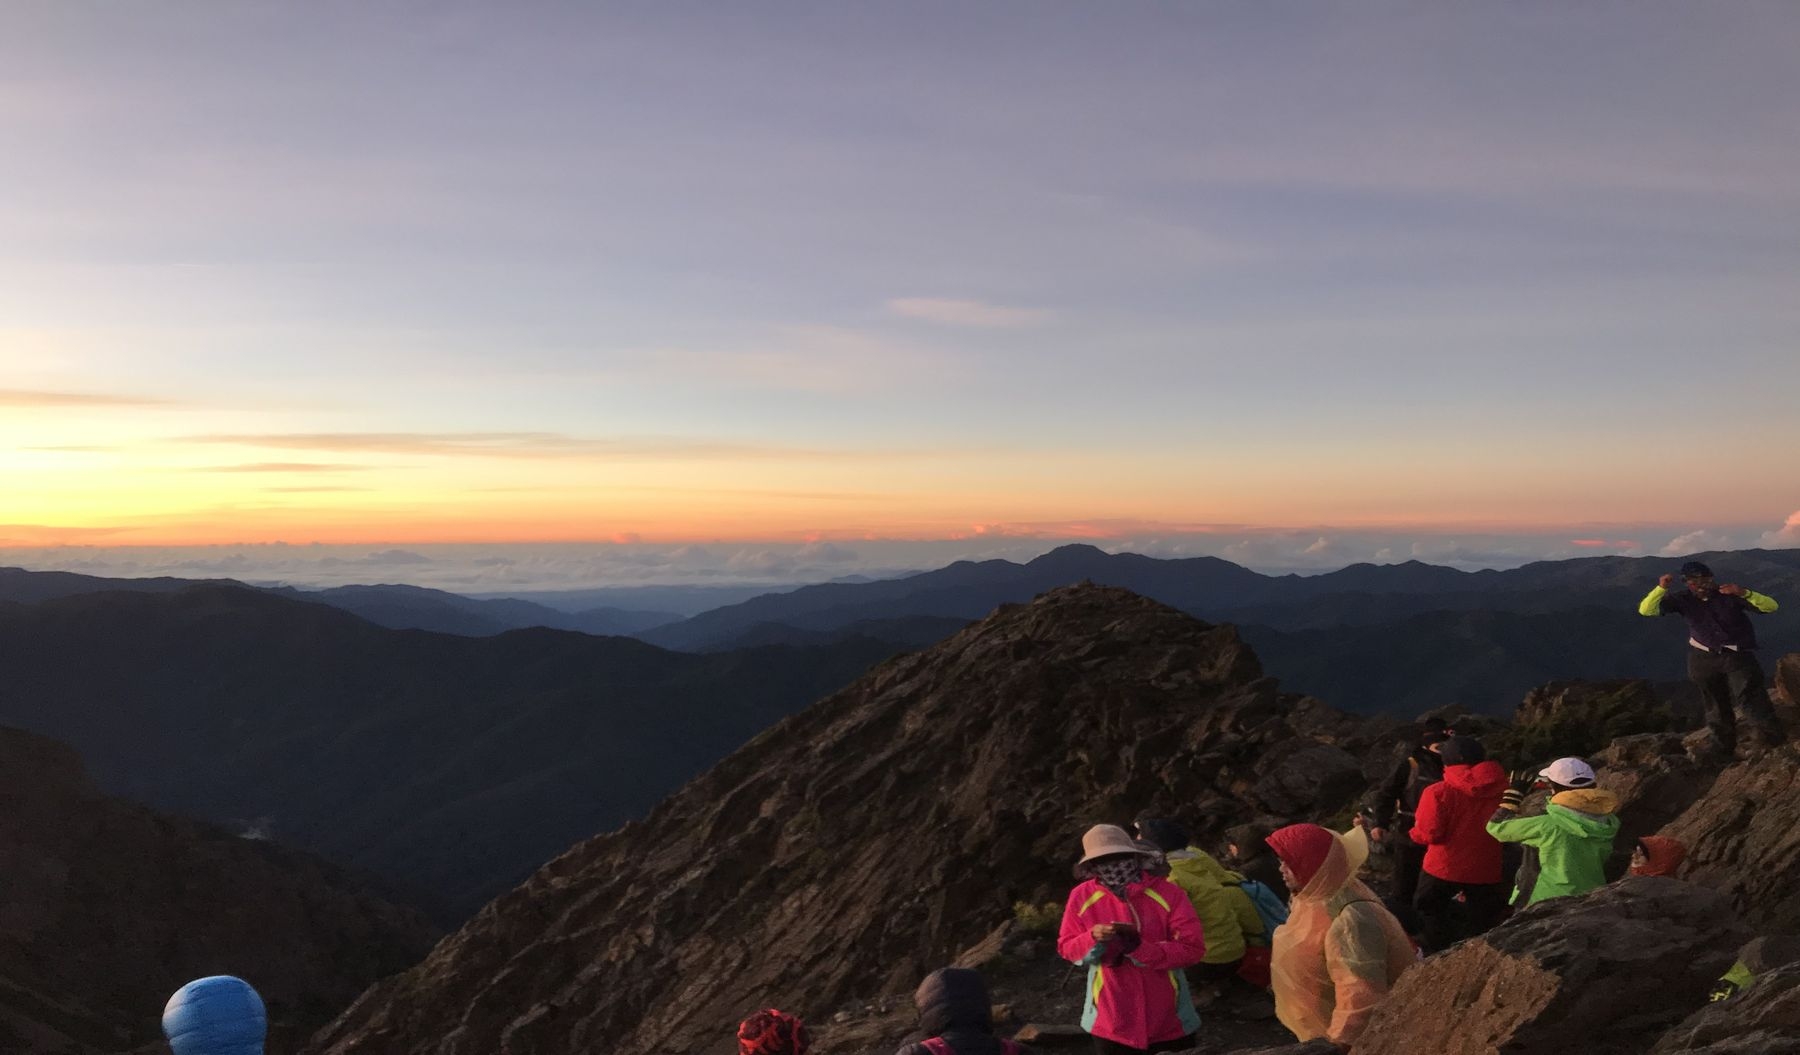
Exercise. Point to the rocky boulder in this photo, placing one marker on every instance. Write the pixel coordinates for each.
(1743, 838)
(1764, 1019)
(1614, 969)
(854, 847)
(1656, 779)
(1784, 688)
(1580, 718)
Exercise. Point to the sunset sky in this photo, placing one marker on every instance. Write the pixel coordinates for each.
(913, 278)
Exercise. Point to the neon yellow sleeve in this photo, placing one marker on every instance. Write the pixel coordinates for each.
(1652, 602)
(1763, 604)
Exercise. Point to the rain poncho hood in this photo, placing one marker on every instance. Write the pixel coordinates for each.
(1340, 950)
(220, 1015)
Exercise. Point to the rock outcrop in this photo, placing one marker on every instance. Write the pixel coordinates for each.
(106, 908)
(1582, 717)
(855, 846)
(1784, 687)
(1743, 838)
(1764, 1019)
(1604, 974)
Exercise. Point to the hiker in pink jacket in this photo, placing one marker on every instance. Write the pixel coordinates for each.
(1135, 933)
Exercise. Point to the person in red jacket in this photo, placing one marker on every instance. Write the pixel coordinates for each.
(1135, 933)
(1460, 856)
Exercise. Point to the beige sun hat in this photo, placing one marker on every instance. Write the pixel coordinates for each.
(1105, 840)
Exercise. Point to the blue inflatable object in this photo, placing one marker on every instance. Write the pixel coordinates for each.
(220, 1015)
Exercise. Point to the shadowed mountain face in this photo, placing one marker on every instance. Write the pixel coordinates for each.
(861, 843)
(107, 908)
(452, 766)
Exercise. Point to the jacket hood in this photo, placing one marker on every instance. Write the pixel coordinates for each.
(954, 998)
(1581, 823)
(1194, 861)
(1482, 780)
(1664, 856)
(1596, 801)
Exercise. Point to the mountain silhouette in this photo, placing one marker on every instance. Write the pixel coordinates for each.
(452, 766)
(1402, 638)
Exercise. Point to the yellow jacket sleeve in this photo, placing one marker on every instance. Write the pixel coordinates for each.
(1652, 602)
(1761, 603)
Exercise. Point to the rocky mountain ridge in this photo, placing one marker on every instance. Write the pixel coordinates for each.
(891, 827)
(870, 838)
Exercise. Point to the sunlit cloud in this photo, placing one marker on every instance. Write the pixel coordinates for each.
(21, 397)
(975, 313)
(532, 445)
(1098, 529)
(54, 535)
(1698, 541)
(1787, 535)
(283, 467)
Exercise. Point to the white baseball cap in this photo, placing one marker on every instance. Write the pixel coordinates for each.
(1569, 772)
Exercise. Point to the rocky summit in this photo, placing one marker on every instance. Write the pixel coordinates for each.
(854, 847)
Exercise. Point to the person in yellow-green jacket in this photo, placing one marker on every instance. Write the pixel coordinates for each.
(1569, 843)
(1721, 654)
(1226, 913)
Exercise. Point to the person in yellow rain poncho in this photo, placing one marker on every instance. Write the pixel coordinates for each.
(1341, 950)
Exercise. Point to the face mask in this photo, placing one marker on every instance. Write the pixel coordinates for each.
(1114, 875)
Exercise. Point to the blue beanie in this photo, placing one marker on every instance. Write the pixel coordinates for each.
(220, 1015)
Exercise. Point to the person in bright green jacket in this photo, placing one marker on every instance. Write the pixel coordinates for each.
(1572, 838)
(1227, 914)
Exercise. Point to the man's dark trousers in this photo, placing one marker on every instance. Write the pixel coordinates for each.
(1730, 681)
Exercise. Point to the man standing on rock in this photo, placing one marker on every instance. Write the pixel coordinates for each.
(1721, 652)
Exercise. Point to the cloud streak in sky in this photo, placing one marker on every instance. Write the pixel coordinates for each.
(29, 398)
(975, 313)
(530, 445)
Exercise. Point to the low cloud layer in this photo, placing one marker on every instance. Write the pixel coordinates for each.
(503, 568)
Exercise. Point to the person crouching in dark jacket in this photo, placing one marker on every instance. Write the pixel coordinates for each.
(1460, 856)
(957, 1016)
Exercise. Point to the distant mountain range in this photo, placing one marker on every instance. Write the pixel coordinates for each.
(450, 765)
(1403, 638)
